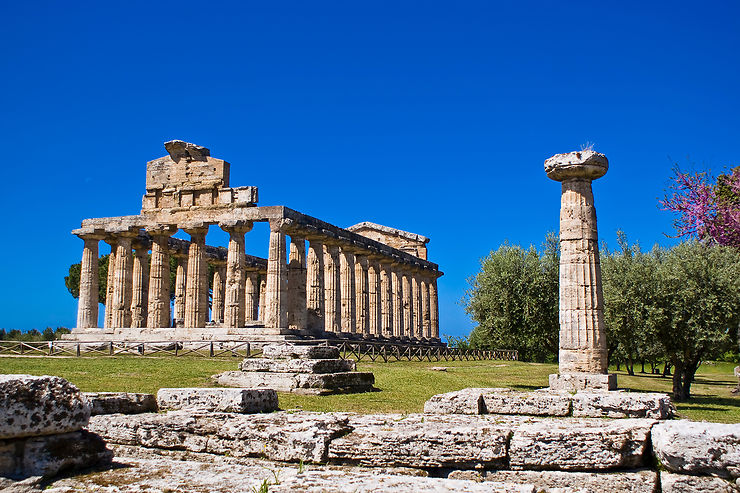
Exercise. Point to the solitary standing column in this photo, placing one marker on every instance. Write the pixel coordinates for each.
(374, 298)
(347, 291)
(251, 296)
(234, 306)
(408, 330)
(110, 280)
(276, 295)
(297, 314)
(181, 279)
(140, 285)
(159, 279)
(331, 285)
(362, 295)
(315, 281)
(434, 304)
(122, 280)
(87, 309)
(583, 351)
(196, 290)
(219, 288)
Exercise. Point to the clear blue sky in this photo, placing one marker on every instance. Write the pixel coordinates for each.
(433, 117)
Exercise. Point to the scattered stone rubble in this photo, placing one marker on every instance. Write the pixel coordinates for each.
(227, 439)
(301, 369)
(41, 428)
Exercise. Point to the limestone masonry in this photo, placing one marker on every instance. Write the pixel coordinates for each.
(583, 351)
(367, 281)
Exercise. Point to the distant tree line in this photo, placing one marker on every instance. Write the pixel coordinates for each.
(33, 335)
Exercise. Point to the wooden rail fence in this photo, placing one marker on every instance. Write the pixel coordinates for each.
(358, 350)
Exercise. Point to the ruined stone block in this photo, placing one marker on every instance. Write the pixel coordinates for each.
(580, 444)
(539, 403)
(293, 351)
(50, 454)
(33, 406)
(297, 365)
(218, 400)
(455, 441)
(698, 448)
(121, 402)
(623, 405)
(684, 483)
(644, 481)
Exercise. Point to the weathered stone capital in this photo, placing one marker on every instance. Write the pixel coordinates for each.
(195, 229)
(236, 226)
(280, 225)
(90, 236)
(161, 230)
(583, 165)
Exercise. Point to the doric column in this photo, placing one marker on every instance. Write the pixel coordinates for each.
(583, 349)
(140, 285)
(251, 296)
(219, 288)
(331, 288)
(234, 307)
(315, 281)
(362, 294)
(159, 279)
(426, 313)
(122, 282)
(397, 301)
(263, 288)
(196, 290)
(277, 279)
(297, 271)
(87, 307)
(374, 302)
(418, 321)
(181, 279)
(408, 317)
(110, 281)
(386, 300)
(347, 291)
(434, 306)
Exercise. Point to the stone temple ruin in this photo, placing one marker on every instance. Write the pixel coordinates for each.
(367, 281)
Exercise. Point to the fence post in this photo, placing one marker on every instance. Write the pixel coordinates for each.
(210, 352)
(51, 348)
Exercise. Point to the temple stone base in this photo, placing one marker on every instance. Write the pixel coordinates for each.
(299, 369)
(573, 382)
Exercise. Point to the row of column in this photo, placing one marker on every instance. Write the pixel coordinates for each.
(138, 292)
(334, 287)
(322, 286)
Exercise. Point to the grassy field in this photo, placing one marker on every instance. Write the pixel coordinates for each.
(402, 386)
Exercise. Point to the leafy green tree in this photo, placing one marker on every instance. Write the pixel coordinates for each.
(514, 300)
(631, 304)
(699, 289)
(72, 280)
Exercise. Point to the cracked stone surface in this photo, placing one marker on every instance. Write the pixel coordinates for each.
(218, 400)
(121, 402)
(32, 406)
(698, 447)
(580, 444)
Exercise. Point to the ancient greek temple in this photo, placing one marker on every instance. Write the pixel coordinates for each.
(319, 280)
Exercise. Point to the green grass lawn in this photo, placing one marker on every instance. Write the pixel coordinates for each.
(402, 386)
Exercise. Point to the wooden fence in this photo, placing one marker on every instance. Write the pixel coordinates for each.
(358, 350)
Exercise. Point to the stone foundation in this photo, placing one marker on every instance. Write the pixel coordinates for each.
(298, 368)
(573, 382)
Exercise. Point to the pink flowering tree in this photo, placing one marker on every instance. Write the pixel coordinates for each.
(708, 211)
